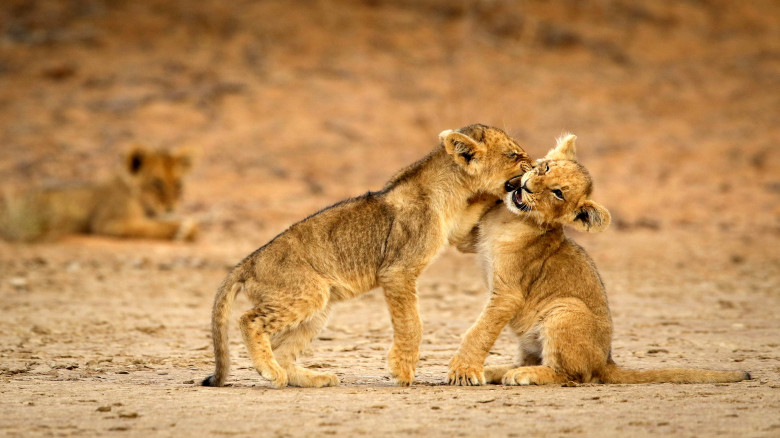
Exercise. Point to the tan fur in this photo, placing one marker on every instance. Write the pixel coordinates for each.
(547, 288)
(383, 238)
(131, 204)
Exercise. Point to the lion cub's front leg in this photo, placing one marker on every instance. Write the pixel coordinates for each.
(289, 344)
(148, 228)
(407, 333)
(466, 367)
(465, 235)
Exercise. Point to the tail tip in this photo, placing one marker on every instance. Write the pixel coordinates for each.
(747, 375)
(209, 381)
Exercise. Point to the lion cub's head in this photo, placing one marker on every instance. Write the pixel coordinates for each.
(557, 191)
(156, 177)
(487, 155)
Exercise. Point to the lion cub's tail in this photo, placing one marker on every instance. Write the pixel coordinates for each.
(615, 374)
(220, 315)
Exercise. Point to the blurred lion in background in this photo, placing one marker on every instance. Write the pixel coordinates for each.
(137, 202)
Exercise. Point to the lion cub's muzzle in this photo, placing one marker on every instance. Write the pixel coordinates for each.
(517, 199)
(513, 183)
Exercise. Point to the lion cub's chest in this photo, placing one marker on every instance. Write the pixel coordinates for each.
(512, 251)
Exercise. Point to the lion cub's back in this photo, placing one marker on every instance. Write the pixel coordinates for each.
(47, 212)
(342, 245)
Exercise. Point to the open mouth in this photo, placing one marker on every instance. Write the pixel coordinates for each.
(517, 199)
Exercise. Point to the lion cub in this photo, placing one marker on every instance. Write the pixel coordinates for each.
(131, 204)
(547, 288)
(383, 238)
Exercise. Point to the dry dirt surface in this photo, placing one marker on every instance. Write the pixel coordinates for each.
(296, 105)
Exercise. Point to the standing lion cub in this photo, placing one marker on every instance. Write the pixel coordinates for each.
(383, 238)
(132, 204)
(547, 288)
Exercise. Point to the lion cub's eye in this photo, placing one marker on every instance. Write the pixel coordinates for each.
(558, 194)
(547, 167)
(512, 155)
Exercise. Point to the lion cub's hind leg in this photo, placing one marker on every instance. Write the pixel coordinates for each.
(535, 375)
(289, 344)
(293, 316)
(257, 340)
(532, 370)
(529, 354)
(494, 373)
(571, 343)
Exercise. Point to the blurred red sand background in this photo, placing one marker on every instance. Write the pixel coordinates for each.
(295, 105)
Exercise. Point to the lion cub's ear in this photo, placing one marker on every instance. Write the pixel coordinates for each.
(591, 217)
(564, 148)
(184, 156)
(463, 149)
(135, 159)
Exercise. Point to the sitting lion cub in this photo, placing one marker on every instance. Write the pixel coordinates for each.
(131, 204)
(547, 288)
(383, 238)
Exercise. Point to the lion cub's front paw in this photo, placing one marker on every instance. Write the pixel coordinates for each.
(463, 373)
(188, 231)
(401, 368)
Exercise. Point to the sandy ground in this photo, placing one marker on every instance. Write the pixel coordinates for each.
(293, 108)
